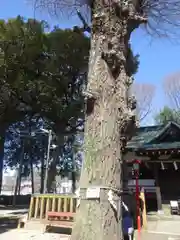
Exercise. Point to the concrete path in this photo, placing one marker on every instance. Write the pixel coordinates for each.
(161, 230)
(157, 236)
(166, 227)
(21, 234)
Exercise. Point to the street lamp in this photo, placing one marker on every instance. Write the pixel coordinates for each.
(136, 164)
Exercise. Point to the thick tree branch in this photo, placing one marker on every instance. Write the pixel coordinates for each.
(86, 27)
(144, 94)
(172, 90)
(160, 17)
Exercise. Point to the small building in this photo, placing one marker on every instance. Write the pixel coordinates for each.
(158, 149)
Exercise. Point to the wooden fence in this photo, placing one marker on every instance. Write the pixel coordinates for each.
(40, 204)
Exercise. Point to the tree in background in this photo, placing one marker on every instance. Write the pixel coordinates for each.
(166, 115)
(41, 77)
(22, 60)
(172, 90)
(109, 118)
(144, 93)
(25, 148)
(64, 105)
(68, 77)
(11, 108)
(171, 112)
(43, 74)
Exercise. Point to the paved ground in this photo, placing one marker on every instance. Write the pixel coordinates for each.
(157, 230)
(167, 227)
(21, 234)
(157, 236)
(36, 235)
(161, 230)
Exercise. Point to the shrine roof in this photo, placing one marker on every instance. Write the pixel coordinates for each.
(156, 137)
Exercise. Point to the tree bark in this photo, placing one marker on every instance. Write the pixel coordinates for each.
(2, 141)
(18, 178)
(42, 174)
(52, 172)
(73, 177)
(32, 175)
(73, 173)
(19, 183)
(109, 119)
(16, 188)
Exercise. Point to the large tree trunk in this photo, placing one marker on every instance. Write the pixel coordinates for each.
(42, 174)
(109, 120)
(2, 141)
(52, 172)
(18, 177)
(73, 177)
(19, 183)
(32, 175)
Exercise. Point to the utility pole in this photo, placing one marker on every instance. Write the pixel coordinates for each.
(47, 160)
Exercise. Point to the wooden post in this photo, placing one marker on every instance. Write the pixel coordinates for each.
(42, 207)
(31, 207)
(65, 204)
(144, 213)
(159, 199)
(158, 190)
(71, 204)
(53, 203)
(47, 208)
(36, 207)
(59, 205)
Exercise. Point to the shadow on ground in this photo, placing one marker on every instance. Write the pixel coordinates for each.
(4, 207)
(18, 212)
(12, 211)
(66, 231)
(8, 223)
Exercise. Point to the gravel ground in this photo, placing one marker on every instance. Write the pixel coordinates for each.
(22, 234)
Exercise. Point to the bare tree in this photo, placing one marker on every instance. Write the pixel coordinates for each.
(172, 90)
(144, 93)
(110, 118)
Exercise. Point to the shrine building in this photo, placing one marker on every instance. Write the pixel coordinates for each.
(158, 149)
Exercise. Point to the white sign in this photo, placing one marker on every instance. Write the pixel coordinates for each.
(142, 182)
(93, 192)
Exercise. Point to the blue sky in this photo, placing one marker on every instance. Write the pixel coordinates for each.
(158, 58)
